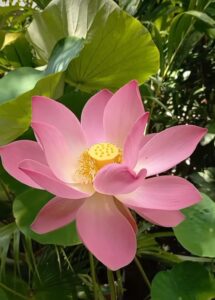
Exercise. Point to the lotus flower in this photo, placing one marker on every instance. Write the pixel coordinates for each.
(100, 168)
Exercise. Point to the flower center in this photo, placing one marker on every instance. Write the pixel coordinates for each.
(96, 157)
(104, 153)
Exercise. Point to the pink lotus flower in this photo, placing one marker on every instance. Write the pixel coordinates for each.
(102, 167)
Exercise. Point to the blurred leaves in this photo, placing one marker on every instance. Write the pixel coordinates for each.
(14, 52)
(84, 46)
(14, 17)
(59, 279)
(7, 232)
(186, 38)
(205, 181)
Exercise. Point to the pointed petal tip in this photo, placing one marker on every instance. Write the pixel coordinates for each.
(37, 98)
(106, 92)
(37, 229)
(176, 144)
(134, 82)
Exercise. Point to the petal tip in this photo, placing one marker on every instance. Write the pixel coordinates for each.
(35, 227)
(134, 82)
(106, 92)
(115, 267)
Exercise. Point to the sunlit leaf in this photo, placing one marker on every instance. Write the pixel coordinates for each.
(62, 18)
(119, 50)
(118, 47)
(131, 6)
(16, 50)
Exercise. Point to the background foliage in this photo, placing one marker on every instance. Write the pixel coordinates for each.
(68, 50)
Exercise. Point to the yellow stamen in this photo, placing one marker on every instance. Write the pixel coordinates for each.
(96, 157)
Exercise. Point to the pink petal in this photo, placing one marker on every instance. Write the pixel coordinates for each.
(162, 192)
(118, 179)
(165, 218)
(57, 213)
(12, 154)
(92, 117)
(146, 138)
(106, 232)
(51, 112)
(43, 176)
(121, 112)
(60, 157)
(168, 148)
(127, 214)
(133, 141)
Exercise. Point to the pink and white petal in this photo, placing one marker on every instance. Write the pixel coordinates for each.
(168, 148)
(92, 117)
(121, 112)
(44, 177)
(106, 232)
(162, 192)
(60, 157)
(133, 141)
(54, 113)
(118, 179)
(58, 212)
(165, 218)
(13, 153)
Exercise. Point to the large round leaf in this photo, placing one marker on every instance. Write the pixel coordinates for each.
(62, 18)
(118, 47)
(25, 208)
(118, 50)
(197, 232)
(186, 281)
